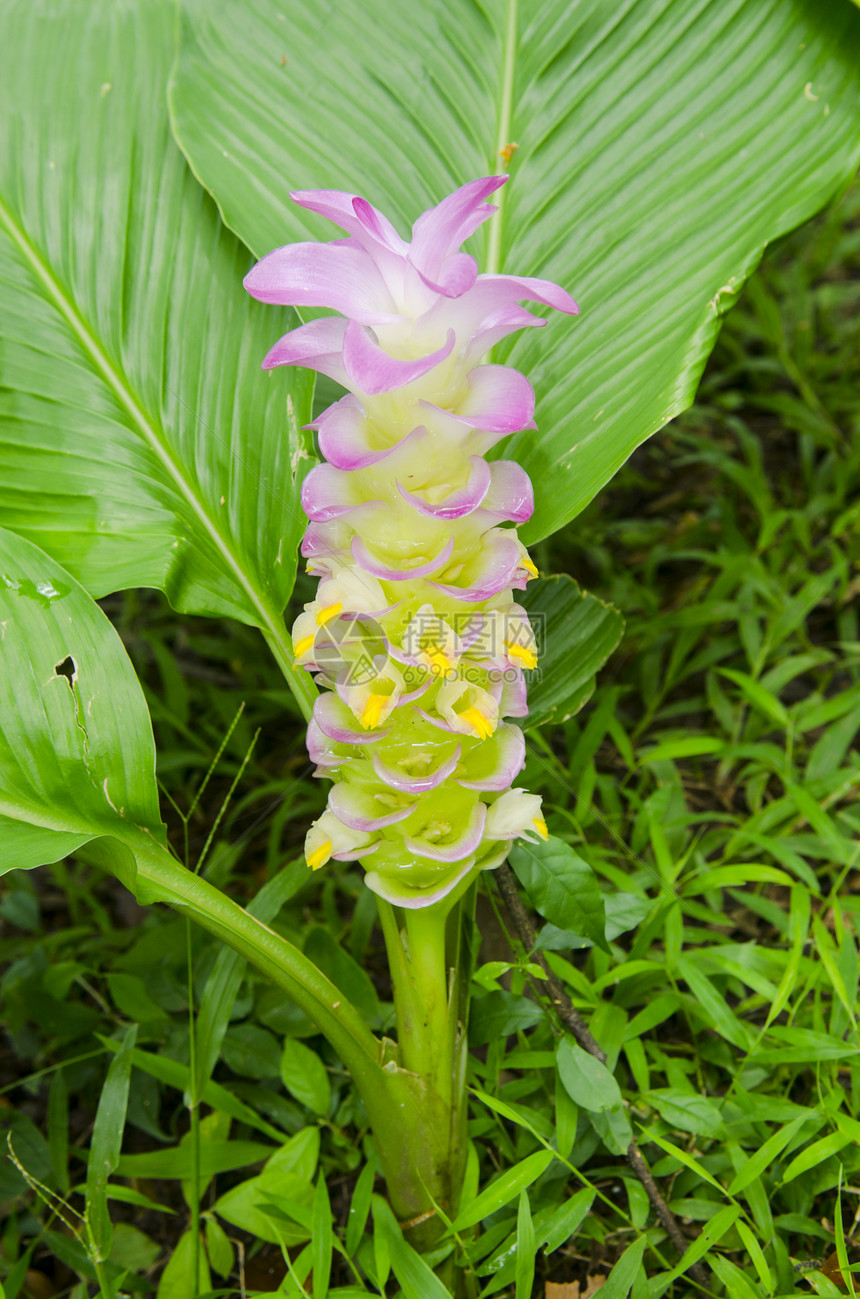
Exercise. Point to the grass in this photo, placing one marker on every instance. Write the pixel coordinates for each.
(710, 783)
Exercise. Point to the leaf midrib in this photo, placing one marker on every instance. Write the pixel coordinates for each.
(122, 389)
(503, 131)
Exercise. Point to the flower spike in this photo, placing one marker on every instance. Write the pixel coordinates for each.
(415, 635)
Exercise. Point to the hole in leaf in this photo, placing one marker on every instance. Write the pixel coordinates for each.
(67, 668)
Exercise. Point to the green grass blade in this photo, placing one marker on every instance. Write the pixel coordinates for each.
(504, 1189)
(525, 1259)
(417, 1281)
(617, 1285)
(321, 1239)
(106, 1144)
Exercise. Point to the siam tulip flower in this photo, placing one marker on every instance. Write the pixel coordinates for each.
(415, 635)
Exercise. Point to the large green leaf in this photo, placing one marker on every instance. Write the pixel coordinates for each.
(77, 759)
(576, 633)
(77, 768)
(77, 772)
(661, 144)
(562, 887)
(140, 442)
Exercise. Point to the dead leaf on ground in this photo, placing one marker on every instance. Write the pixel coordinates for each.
(832, 1270)
(571, 1289)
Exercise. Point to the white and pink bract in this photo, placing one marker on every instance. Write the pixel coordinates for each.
(415, 635)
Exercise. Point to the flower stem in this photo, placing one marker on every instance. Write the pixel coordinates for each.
(426, 1048)
(424, 952)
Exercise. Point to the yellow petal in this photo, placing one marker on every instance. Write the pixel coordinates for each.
(373, 710)
(438, 658)
(331, 611)
(522, 654)
(540, 825)
(319, 856)
(301, 647)
(478, 721)
(528, 564)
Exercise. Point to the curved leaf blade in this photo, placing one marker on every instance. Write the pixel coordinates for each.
(141, 444)
(660, 146)
(77, 768)
(576, 634)
(77, 758)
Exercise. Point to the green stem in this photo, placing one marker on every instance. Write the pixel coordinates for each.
(426, 1044)
(104, 1285)
(160, 878)
(405, 1005)
(403, 1111)
(424, 957)
(299, 682)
